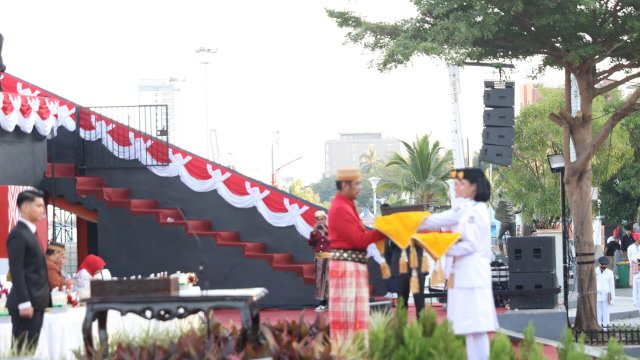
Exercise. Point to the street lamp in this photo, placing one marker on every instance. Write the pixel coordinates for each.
(205, 56)
(274, 175)
(556, 163)
(374, 184)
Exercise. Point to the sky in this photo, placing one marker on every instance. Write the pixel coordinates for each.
(280, 65)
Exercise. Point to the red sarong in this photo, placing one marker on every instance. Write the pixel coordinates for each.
(633, 270)
(348, 299)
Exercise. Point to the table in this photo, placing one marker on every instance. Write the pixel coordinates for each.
(170, 307)
(61, 333)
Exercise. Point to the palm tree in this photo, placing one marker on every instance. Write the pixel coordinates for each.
(370, 161)
(422, 173)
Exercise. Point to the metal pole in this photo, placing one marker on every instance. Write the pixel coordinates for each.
(273, 168)
(564, 248)
(206, 111)
(374, 201)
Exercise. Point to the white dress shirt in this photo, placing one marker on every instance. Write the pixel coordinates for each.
(633, 252)
(372, 251)
(31, 225)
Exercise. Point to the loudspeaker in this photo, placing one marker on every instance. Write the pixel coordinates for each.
(502, 136)
(499, 97)
(496, 154)
(531, 254)
(499, 117)
(533, 281)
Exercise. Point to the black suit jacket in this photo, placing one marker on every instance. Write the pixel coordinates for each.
(28, 269)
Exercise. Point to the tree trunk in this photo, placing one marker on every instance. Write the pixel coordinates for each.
(578, 183)
(579, 190)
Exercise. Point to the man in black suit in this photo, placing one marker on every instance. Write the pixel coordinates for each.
(30, 294)
(2, 66)
(403, 280)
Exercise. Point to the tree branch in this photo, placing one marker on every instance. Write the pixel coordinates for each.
(609, 52)
(566, 148)
(602, 75)
(615, 84)
(624, 110)
(557, 119)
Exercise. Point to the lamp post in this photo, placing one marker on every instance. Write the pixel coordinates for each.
(556, 163)
(205, 54)
(274, 175)
(374, 184)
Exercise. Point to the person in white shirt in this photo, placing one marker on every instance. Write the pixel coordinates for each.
(633, 254)
(636, 291)
(605, 285)
(471, 308)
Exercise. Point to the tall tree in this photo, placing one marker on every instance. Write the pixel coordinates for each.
(528, 182)
(620, 195)
(595, 40)
(422, 173)
(303, 192)
(370, 161)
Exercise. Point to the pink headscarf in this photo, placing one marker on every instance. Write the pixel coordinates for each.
(92, 264)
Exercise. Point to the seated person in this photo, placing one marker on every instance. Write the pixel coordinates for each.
(91, 266)
(56, 258)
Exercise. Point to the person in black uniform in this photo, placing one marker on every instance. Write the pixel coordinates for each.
(403, 280)
(626, 241)
(30, 294)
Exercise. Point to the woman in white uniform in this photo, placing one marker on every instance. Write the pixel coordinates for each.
(471, 308)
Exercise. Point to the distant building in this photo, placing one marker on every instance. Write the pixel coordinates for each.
(348, 150)
(530, 94)
(160, 92)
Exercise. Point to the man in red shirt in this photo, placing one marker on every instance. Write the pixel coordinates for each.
(348, 274)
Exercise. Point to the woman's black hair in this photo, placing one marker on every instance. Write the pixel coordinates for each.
(483, 187)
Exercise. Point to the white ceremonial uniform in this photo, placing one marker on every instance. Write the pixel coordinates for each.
(447, 220)
(605, 285)
(471, 308)
(633, 252)
(636, 291)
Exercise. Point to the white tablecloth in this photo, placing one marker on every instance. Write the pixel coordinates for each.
(62, 331)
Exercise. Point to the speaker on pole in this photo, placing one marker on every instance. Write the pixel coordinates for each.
(498, 118)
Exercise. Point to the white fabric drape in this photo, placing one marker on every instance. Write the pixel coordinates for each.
(58, 115)
(254, 198)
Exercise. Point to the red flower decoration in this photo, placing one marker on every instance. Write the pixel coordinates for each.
(193, 278)
(72, 301)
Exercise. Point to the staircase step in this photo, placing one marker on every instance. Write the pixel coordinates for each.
(89, 182)
(109, 194)
(189, 225)
(88, 191)
(61, 170)
(125, 204)
(297, 268)
(228, 237)
(120, 197)
(273, 258)
(139, 204)
(169, 215)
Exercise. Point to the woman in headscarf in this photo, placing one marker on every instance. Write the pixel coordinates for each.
(471, 308)
(91, 266)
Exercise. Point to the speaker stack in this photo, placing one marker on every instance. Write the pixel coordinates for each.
(532, 267)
